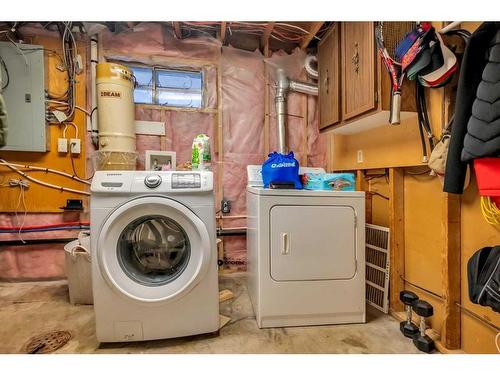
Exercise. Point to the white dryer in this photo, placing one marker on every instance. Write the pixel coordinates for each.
(306, 263)
(154, 263)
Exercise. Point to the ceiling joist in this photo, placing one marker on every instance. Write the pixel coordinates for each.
(315, 27)
(264, 40)
(222, 32)
(177, 29)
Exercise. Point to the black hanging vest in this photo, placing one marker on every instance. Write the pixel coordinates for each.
(483, 129)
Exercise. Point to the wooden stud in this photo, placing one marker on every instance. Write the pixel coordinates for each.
(222, 32)
(315, 26)
(177, 29)
(176, 109)
(363, 185)
(162, 61)
(451, 271)
(304, 125)
(163, 138)
(220, 137)
(397, 230)
(267, 98)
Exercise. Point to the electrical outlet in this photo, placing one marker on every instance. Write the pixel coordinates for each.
(359, 156)
(62, 145)
(75, 144)
(225, 206)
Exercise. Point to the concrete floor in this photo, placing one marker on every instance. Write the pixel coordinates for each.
(28, 309)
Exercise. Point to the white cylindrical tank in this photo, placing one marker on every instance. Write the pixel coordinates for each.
(115, 108)
(115, 115)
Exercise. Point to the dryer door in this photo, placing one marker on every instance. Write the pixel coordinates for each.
(153, 249)
(312, 243)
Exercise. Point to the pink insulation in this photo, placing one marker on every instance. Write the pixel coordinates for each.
(243, 120)
(34, 262)
(243, 88)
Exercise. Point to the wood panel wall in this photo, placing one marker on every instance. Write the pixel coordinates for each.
(39, 198)
(441, 231)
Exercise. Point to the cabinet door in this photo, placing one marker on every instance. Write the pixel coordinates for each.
(358, 68)
(328, 66)
(313, 243)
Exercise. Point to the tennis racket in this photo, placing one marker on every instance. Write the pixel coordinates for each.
(388, 36)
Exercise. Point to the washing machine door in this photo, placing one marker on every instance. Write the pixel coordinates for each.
(153, 249)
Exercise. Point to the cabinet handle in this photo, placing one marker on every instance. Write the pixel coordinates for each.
(327, 83)
(285, 244)
(355, 58)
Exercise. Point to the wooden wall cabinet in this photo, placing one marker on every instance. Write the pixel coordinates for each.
(354, 86)
(329, 77)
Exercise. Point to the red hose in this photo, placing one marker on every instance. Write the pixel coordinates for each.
(66, 224)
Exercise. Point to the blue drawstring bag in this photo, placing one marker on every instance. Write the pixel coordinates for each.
(280, 168)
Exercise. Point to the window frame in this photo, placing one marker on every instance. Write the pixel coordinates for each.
(154, 87)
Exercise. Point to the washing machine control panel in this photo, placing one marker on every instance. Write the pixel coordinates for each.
(186, 181)
(152, 181)
(119, 182)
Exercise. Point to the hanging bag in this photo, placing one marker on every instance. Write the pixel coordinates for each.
(483, 274)
(281, 169)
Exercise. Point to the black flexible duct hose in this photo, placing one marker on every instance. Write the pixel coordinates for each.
(420, 125)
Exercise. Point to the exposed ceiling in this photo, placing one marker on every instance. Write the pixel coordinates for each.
(265, 35)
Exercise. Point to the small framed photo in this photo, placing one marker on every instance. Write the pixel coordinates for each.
(160, 160)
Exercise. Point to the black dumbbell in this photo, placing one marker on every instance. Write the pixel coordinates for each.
(423, 342)
(408, 328)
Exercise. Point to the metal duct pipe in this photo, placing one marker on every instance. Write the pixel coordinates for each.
(303, 87)
(285, 85)
(311, 66)
(280, 102)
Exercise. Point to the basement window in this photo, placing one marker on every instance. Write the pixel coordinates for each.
(168, 87)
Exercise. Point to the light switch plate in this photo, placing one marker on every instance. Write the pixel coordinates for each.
(359, 156)
(62, 145)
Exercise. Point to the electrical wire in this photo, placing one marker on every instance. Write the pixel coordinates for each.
(490, 211)
(21, 196)
(66, 126)
(378, 194)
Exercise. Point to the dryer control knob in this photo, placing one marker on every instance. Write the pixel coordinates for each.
(152, 181)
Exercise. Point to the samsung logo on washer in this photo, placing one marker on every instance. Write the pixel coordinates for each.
(283, 165)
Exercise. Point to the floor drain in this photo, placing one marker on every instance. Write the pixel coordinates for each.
(47, 342)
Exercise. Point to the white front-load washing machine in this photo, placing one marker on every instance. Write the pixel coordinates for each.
(306, 255)
(154, 262)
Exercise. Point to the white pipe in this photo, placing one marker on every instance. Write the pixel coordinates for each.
(92, 119)
(311, 71)
(46, 170)
(46, 184)
(447, 28)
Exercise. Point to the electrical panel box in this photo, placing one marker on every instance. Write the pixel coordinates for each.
(23, 79)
